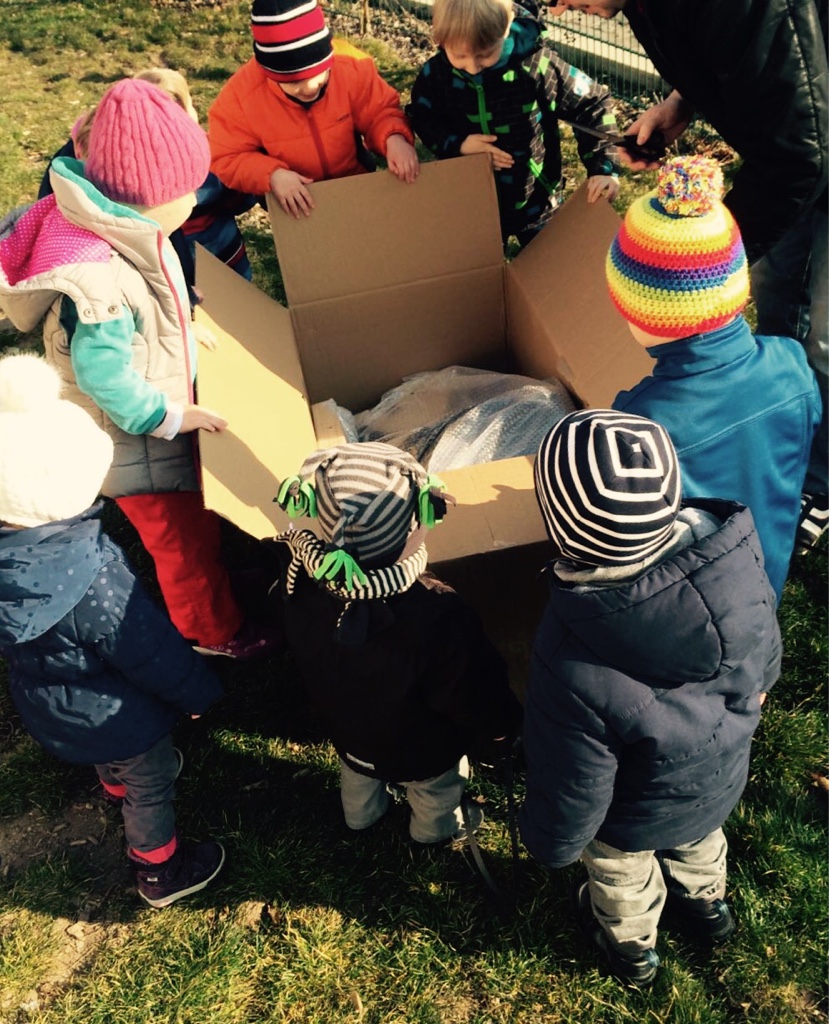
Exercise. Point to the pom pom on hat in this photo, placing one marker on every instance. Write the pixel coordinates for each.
(291, 41)
(677, 266)
(608, 487)
(143, 148)
(53, 457)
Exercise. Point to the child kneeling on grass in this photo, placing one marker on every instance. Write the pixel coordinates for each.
(97, 672)
(649, 669)
(400, 667)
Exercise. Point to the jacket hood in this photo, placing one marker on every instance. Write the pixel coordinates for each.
(76, 225)
(689, 618)
(44, 572)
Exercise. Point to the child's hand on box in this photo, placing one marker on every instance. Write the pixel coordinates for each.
(204, 336)
(402, 158)
(499, 159)
(602, 186)
(195, 417)
(291, 193)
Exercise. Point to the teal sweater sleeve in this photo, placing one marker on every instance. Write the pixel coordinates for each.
(102, 362)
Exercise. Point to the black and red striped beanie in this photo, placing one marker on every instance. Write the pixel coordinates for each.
(291, 41)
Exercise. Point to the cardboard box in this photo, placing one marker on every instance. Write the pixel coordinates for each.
(384, 280)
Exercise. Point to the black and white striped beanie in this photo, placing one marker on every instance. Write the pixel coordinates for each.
(291, 41)
(367, 498)
(609, 487)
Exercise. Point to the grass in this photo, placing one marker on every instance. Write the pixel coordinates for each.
(309, 923)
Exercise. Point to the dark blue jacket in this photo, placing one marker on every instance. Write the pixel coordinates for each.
(643, 698)
(96, 670)
(741, 411)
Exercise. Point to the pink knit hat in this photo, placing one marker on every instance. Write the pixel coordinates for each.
(143, 148)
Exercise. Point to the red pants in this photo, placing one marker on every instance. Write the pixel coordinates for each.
(184, 540)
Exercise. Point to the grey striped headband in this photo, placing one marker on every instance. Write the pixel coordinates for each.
(608, 486)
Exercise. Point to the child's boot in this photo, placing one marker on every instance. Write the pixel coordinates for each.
(708, 920)
(191, 868)
(633, 968)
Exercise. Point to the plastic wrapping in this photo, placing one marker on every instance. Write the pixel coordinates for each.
(461, 416)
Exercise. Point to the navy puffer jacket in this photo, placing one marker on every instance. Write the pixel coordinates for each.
(643, 698)
(97, 671)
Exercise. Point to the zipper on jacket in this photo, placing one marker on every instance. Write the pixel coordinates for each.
(315, 135)
(483, 113)
(181, 321)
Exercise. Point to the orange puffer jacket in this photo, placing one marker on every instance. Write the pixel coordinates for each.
(255, 128)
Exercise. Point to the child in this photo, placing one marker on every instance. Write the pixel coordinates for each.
(289, 116)
(649, 668)
(213, 220)
(497, 86)
(95, 256)
(96, 671)
(742, 410)
(399, 666)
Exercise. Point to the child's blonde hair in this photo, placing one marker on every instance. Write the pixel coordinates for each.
(173, 83)
(475, 23)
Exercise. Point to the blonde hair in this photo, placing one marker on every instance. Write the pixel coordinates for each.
(173, 83)
(475, 23)
(80, 133)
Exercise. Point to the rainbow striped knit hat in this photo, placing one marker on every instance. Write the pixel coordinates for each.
(677, 266)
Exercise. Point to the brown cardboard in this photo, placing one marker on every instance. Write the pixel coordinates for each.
(386, 279)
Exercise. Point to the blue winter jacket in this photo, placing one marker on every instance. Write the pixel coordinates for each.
(741, 411)
(643, 698)
(96, 670)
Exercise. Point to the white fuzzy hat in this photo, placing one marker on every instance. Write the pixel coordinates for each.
(53, 457)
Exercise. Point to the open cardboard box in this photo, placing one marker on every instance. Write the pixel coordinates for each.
(384, 280)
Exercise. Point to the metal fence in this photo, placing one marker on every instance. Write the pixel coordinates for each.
(607, 50)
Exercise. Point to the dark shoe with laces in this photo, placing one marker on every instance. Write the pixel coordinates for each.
(191, 868)
(709, 921)
(638, 969)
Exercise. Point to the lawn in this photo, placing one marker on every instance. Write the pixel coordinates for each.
(309, 923)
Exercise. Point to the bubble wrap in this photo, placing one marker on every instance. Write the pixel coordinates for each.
(460, 416)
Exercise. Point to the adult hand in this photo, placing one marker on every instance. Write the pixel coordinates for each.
(401, 157)
(672, 116)
(291, 193)
(602, 186)
(195, 417)
(499, 159)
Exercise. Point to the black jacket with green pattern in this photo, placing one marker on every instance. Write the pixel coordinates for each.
(520, 100)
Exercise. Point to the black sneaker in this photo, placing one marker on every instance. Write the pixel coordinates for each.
(814, 521)
(191, 868)
(638, 969)
(709, 921)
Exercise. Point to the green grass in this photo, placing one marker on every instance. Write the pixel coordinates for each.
(309, 923)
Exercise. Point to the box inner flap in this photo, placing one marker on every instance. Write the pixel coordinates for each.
(254, 380)
(357, 347)
(561, 320)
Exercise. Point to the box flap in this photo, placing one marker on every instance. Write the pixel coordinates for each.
(254, 380)
(496, 509)
(372, 231)
(561, 322)
(355, 348)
